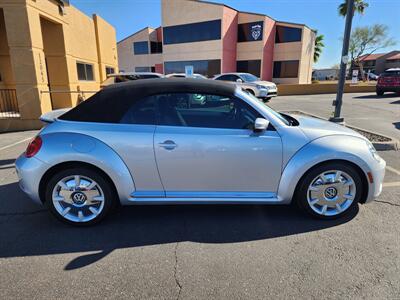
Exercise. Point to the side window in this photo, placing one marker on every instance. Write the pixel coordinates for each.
(205, 110)
(141, 112)
(227, 77)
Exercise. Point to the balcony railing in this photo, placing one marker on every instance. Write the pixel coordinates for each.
(8, 104)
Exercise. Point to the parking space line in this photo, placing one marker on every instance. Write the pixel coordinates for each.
(391, 184)
(393, 170)
(16, 143)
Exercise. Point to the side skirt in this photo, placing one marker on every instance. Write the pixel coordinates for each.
(203, 198)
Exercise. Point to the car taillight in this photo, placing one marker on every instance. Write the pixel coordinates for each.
(33, 147)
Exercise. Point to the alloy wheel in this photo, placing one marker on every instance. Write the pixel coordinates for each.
(78, 198)
(331, 193)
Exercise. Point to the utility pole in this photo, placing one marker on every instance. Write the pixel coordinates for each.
(343, 63)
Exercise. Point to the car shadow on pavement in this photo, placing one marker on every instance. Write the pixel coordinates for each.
(36, 232)
(374, 96)
(4, 162)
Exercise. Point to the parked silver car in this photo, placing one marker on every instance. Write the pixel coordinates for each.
(262, 89)
(128, 76)
(175, 141)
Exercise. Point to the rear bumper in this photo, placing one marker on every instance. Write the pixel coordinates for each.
(388, 88)
(30, 171)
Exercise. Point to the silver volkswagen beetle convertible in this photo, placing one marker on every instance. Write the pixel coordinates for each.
(173, 141)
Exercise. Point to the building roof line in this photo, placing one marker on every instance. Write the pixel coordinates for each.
(293, 23)
(224, 5)
(251, 13)
(134, 34)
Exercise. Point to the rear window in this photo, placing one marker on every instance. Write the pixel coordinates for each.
(391, 73)
(147, 76)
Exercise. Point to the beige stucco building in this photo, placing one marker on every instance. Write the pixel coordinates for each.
(215, 38)
(49, 45)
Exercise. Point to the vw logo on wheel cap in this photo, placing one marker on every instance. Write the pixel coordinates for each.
(330, 192)
(78, 198)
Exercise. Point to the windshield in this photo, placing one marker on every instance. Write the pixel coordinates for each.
(248, 77)
(263, 106)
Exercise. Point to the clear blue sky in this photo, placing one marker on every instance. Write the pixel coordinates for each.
(128, 16)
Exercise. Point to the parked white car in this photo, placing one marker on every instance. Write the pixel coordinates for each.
(183, 75)
(264, 90)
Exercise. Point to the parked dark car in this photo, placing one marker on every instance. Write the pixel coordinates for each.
(389, 81)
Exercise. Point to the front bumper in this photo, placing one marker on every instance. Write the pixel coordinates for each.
(30, 171)
(377, 171)
(266, 93)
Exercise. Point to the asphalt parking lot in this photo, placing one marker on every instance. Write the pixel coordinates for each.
(364, 110)
(207, 252)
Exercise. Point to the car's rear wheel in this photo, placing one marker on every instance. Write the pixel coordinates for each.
(329, 191)
(79, 196)
(379, 92)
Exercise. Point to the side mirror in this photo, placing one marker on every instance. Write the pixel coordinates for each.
(239, 80)
(261, 124)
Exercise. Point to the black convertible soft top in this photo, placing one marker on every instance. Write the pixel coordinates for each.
(109, 104)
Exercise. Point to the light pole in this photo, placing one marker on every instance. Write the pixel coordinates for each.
(343, 63)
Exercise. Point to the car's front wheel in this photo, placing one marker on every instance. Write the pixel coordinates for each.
(79, 196)
(329, 191)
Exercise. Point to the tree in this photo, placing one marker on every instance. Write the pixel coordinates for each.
(336, 66)
(366, 40)
(319, 45)
(359, 7)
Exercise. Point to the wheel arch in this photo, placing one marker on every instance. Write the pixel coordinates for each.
(68, 165)
(65, 148)
(345, 149)
(359, 171)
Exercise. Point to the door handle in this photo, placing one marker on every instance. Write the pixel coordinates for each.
(168, 145)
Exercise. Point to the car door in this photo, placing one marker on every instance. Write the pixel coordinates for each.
(205, 147)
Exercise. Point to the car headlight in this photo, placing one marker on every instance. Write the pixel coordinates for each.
(261, 87)
(373, 151)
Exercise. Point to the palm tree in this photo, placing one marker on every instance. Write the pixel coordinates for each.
(359, 7)
(319, 45)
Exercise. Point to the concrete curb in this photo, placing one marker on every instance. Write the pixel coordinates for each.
(392, 144)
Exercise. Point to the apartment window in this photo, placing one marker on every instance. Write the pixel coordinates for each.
(85, 71)
(250, 32)
(194, 32)
(286, 69)
(205, 67)
(287, 34)
(110, 70)
(142, 69)
(155, 47)
(140, 48)
(249, 66)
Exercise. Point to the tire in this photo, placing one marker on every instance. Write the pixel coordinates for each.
(251, 92)
(379, 92)
(80, 206)
(266, 99)
(345, 190)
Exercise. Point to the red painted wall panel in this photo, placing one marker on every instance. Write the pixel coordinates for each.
(159, 68)
(229, 40)
(268, 51)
